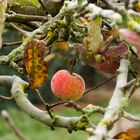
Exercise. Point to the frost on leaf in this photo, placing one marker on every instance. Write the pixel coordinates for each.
(34, 63)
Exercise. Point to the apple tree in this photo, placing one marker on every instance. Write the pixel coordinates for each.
(101, 33)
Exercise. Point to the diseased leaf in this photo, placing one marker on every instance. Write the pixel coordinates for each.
(93, 41)
(116, 52)
(130, 134)
(3, 5)
(34, 63)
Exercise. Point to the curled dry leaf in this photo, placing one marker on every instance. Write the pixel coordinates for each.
(34, 63)
(110, 59)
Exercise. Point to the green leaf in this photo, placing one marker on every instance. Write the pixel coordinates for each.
(3, 5)
(24, 2)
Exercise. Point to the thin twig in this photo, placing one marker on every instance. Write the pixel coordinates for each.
(43, 6)
(19, 29)
(57, 104)
(20, 18)
(131, 117)
(102, 83)
(47, 106)
(12, 125)
(106, 44)
(65, 103)
(40, 97)
(127, 3)
(74, 105)
(107, 24)
(11, 44)
(41, 3)
(6, 98)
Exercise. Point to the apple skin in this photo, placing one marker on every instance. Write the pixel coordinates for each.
(67, 86)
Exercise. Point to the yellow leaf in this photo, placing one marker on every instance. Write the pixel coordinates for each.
(84, 20)
(123, 136)
(50, 33)
(137, 6)
(130, 134)
(34, 63)
(24, 38)
(63, 45)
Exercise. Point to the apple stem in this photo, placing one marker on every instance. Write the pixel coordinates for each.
(72, 63)
(100, 84)
(72, 69)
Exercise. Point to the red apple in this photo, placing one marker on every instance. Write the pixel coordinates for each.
(67, 86)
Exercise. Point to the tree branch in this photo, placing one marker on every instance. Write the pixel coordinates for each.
(18, 54)
(116, 105)
(6, 98)
(11, 44)
(131, 117)
(19, 29)
(13, 127)
(20, 18)
(17, 91)
(116, 14)
(90, 109)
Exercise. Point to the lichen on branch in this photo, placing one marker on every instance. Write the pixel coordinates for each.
(19, 96)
